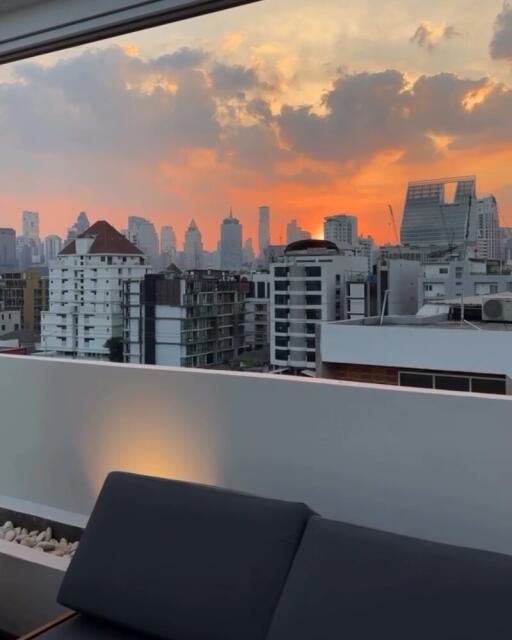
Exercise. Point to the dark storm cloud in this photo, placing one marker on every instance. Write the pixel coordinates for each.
(501, 44)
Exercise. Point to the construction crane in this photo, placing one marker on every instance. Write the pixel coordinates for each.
(393, 222)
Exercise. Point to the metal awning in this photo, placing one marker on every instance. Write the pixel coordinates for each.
(33, 27)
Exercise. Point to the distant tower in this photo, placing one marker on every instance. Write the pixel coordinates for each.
(295, 233)
(193, 258)
(167, 239)
(7, 247)
(80, 226)
(342, 230)
(231, 256)
(52, 248)
(248, 252)
(30, 225)
(168, 249)
(29, 248)
(143, 235)
(263, 229)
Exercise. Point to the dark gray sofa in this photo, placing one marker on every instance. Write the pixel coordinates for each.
(178, 561)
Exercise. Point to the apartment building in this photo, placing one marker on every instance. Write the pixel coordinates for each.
(86, 284)
(258, 310)
(10, 321)
(341, 229)
(27, 292)
(442, 281)
(185, 319)
(307, 287)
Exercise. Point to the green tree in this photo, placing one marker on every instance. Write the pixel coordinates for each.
(115, 347)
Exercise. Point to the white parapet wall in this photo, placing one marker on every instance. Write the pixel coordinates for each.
(432, 464)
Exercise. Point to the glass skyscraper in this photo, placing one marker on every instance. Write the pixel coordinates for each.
(438, 213)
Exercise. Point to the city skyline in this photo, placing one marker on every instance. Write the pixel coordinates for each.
(179, 122)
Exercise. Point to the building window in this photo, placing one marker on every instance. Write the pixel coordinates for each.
(313, 272)
(281, 272)
(417, 380)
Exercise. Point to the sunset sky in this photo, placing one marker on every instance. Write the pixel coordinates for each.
(310, 106)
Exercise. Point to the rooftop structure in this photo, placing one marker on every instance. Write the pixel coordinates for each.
(435, 349)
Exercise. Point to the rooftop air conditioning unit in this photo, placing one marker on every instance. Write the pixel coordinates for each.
(497, 310)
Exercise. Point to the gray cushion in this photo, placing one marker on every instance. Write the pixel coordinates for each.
(359, 584)
(83, 628)
(183, 561)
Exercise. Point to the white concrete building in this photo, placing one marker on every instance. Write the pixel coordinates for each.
(444, 281)
(231, 255)
(307, 287)
(341, 229)
(397, 287)
(366, 248)
(423, 351)
(86, 282)
(10, 320)
(52, 246)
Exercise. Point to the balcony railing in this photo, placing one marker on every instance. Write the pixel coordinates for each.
(392, 458)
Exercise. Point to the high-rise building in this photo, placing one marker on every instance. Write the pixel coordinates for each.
(488, 241)
(440, 213)
(7, 248)
(341, 229)
(294, 233)
(142, 234)
(307, 287)
(80, 226)
(52, 247)
(27, 252)
(167, 239)
(248, 252)
(176, 322)
(86, 285)
(263, 229)
(231, 256)
(30, 225)
(193, 257)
